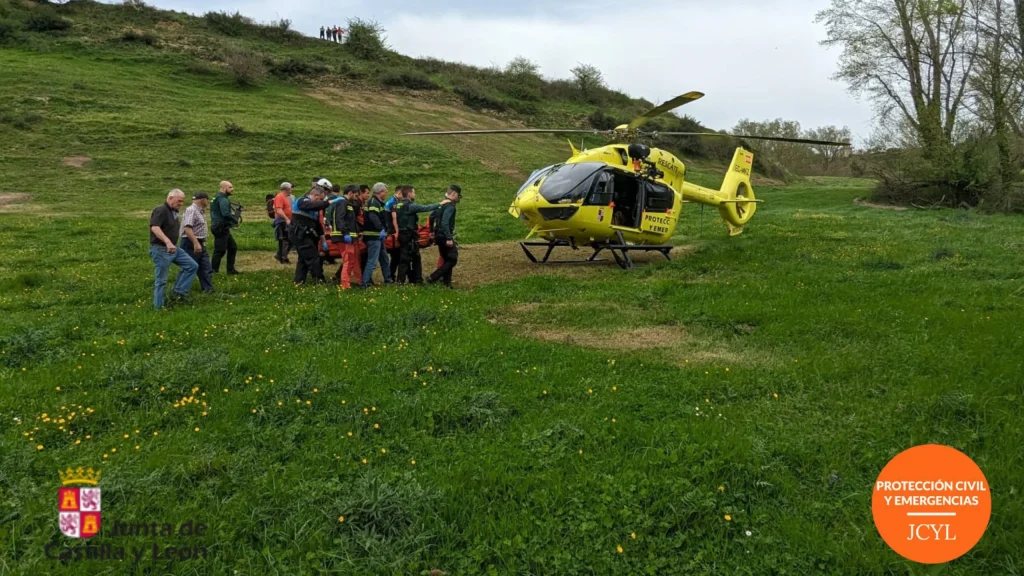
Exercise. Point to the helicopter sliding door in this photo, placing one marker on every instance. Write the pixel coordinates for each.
(627, 199)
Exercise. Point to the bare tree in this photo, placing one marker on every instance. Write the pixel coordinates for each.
(998, 87)
(913, 58)
(790, 155)
(828, 156)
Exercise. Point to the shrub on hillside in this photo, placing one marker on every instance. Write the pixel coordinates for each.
(278, 30)
(350, 70)
(524, 107)
(201, 68)
(230, 24)
(147, 38)
(295, 67)
(234, 129)
(599, 120)
(136, 4)
(7, 29)
(475, 95)
(589, 82)
(246, 66)
(46, 21)
(412, 79)
(366, 39)
(21, 121)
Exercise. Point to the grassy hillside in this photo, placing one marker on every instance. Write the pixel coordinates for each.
(723, 413)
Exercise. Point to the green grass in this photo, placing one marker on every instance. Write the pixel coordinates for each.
(877, 331)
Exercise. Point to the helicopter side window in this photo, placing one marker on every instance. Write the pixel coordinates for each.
(569, 183)
(658, 197)
(602, 191)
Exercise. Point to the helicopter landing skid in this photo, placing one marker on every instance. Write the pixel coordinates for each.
(620, 251)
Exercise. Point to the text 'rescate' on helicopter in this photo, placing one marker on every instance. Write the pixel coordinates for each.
(625, 197)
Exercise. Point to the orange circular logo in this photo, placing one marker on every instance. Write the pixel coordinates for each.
(931, 504)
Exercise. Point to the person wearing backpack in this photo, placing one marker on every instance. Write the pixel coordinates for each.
(444, 235)
(281, 207)
(222, 220)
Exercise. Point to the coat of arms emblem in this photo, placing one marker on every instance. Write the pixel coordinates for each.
(79, 507)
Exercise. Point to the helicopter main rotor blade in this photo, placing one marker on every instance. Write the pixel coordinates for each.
(665, 107)
(747, 137)
(509, 131)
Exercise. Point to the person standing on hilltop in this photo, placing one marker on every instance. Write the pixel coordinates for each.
(321, 32)
(223, 219)
(163, 249)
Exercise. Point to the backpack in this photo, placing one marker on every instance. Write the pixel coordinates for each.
(425, 237)
(271, 213)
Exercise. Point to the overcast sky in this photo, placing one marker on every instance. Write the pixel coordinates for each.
(757, 59)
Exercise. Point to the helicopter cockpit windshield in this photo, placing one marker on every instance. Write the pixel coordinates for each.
(569, 183)
(536, 177)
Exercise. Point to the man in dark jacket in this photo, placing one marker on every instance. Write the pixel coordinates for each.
(306, 233)
(223, 219)
(444, 235)
(375, 230)
(408, 236)
(345, 232)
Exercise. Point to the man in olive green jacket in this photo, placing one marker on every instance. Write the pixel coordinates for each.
(223, 220)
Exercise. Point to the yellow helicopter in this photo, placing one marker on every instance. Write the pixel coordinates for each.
(624, 197)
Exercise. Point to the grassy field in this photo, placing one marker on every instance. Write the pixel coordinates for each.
(722, 413)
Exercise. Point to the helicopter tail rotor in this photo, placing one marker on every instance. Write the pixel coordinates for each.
(739, 202)
(735, 200)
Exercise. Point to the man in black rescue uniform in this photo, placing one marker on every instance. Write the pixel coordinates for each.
(305, 232)
(345, 233)
(410, 265)
(443, 227)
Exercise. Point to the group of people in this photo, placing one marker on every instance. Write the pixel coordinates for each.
(182, 241)
(366, 227)
(332, 33)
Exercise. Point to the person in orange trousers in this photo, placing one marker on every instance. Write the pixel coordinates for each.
(346, 234)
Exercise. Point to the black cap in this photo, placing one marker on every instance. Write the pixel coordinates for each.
(200, 196)
(456, 188)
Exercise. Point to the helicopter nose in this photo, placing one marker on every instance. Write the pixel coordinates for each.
(526, 204)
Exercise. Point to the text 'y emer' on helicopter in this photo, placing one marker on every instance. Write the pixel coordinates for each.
(627, 196)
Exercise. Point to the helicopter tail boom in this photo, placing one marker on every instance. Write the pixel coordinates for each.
(735, 200)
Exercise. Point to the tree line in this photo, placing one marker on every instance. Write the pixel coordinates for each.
(946, 78)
